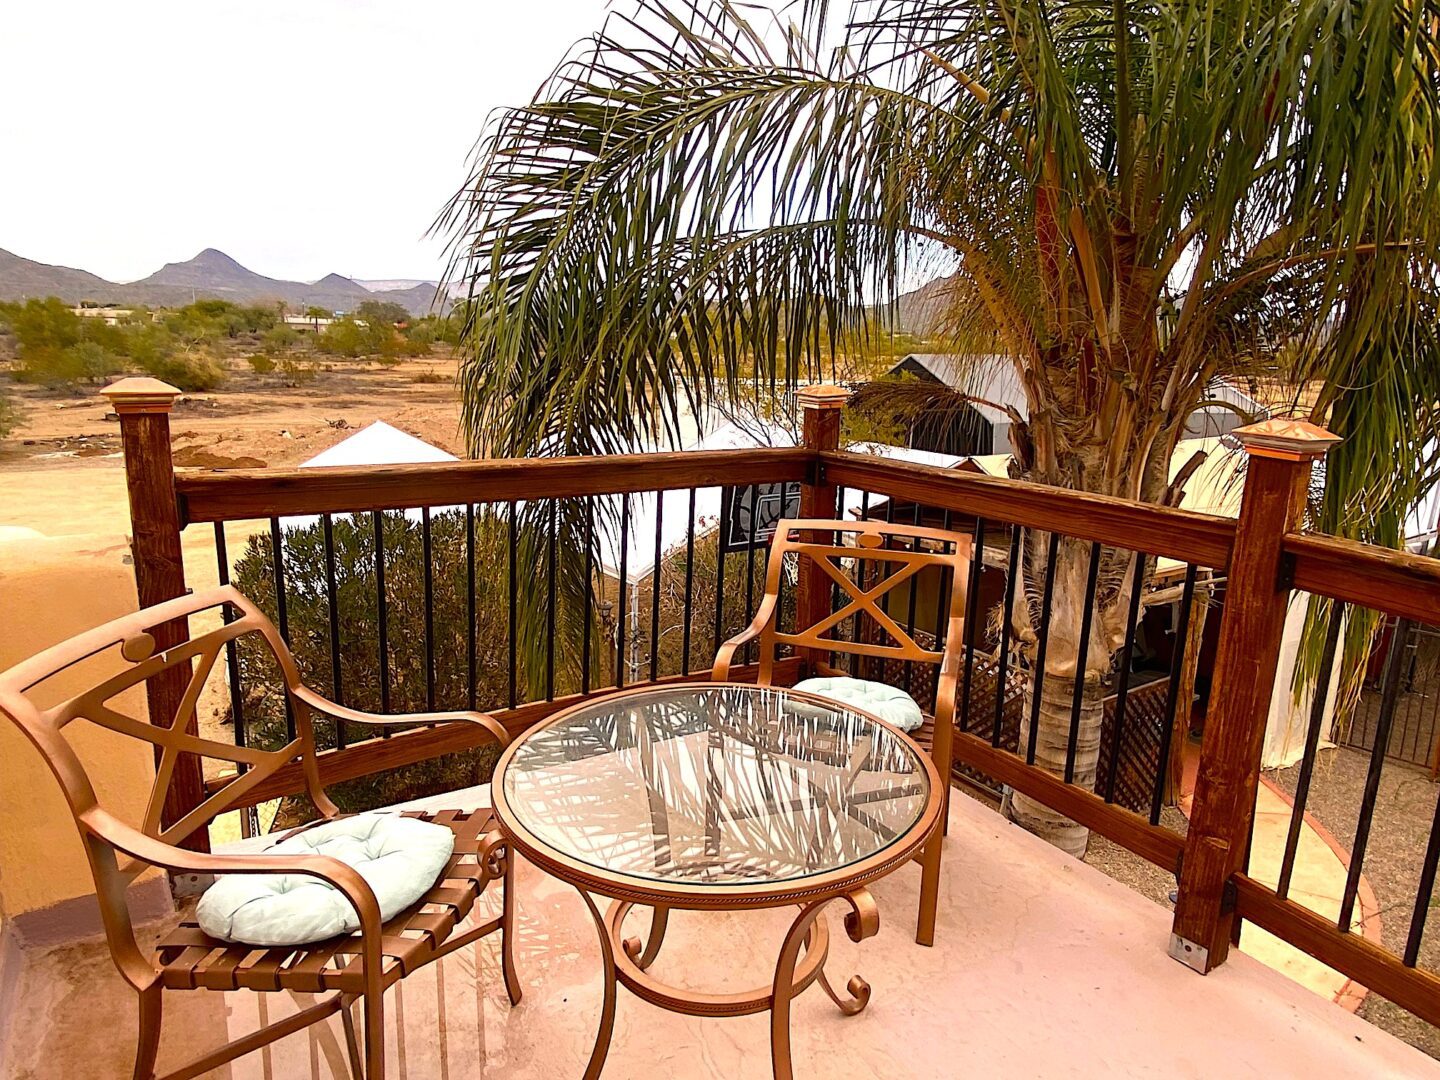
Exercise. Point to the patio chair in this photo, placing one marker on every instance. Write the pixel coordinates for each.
(882, 558)
(350, 968)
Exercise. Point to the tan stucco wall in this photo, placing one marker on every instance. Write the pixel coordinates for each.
(51, 589)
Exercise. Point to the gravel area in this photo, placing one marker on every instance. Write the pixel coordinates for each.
(1129, 869)
(1404, 809)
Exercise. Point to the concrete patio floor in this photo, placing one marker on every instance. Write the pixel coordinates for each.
(1042, 967)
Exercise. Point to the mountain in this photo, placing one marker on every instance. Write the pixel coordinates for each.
(210, 274)
(24, 278)
(394, 284)
(922, 311)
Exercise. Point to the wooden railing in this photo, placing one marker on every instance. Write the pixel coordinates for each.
(1263, 554)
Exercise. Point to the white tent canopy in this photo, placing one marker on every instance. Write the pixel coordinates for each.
(375, 444)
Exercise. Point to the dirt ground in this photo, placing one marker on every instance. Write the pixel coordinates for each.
(62, 471)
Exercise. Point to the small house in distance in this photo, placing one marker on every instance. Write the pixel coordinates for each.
(997, 398)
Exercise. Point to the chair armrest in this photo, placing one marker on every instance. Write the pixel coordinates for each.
(345, 878)
(725, 656)
(354, 716)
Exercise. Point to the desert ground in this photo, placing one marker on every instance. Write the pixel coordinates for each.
(62, 472)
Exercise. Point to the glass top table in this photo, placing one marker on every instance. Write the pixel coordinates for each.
(716, 797)
(711, 785)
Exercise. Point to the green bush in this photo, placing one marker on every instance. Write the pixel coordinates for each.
(297, 372)
(260, 364)
(344, 337)
(188, 372)
(10, 414)
(280, 338)
(308, 619)
(308, 623)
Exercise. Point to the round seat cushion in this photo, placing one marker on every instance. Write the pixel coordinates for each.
(399, 858)
(889, 703)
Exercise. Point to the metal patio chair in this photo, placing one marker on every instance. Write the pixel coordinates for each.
(348, 968)
(881, 557)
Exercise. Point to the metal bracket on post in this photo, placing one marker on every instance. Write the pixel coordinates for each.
(1196, 957)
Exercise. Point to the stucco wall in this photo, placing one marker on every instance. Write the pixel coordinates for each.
(51, 589)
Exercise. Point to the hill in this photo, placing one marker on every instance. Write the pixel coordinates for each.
(211, 274)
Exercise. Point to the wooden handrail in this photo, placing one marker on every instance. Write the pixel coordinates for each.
(1395, 582)
(241, 494)
(1202, 539)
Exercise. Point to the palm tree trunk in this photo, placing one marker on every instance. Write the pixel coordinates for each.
(1052, 737)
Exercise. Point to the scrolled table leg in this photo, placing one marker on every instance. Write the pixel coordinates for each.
(659, 918)
(782, 989)
(861, 921)
(607, 1007)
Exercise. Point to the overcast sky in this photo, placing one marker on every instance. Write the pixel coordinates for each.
(299, 136)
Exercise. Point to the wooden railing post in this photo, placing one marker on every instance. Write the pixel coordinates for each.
(1277, 481)
(820, 408)
(143, 406)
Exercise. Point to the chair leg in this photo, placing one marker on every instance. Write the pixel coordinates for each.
(374, 1035)
(148, 1039)
(929, 889)
(507, 929)
(352, 1043)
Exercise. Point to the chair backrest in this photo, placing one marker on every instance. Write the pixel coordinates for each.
(866, 562)
(190, 662)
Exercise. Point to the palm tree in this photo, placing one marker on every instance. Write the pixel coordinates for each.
(1130, 199)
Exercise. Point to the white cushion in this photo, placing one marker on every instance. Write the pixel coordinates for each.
(399, 858)
(889, 703)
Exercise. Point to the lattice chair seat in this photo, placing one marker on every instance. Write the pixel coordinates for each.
(190, 959)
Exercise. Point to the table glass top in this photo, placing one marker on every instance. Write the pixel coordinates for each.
(716, 784)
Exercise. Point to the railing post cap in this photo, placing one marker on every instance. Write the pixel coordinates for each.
(141, 394)
(822, 396)
(1287, 440)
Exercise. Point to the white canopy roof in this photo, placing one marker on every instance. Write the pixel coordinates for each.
(375, 444)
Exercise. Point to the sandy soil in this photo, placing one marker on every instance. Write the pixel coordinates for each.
(62, 471)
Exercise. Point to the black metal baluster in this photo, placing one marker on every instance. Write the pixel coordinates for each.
(972, 617)
(655, 588)
(232, 655)
(589, 592)
(1423, 893)
(337, 682)
(1012, 576)
(471, 660)
(1312, 749)
(726, 494)
(750, 564)
(382, 625)
(282, 616)
(859, 569)
(689, 585)
(1078, 699)
(1122, 691)
(514, 637)
(1042, 634)
(942, 610)
(624, 588)
(1389, 695)
(914, 587)
(1172, 695)
(428, 585)
(552, 550)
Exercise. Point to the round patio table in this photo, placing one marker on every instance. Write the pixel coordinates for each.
(718, 797)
